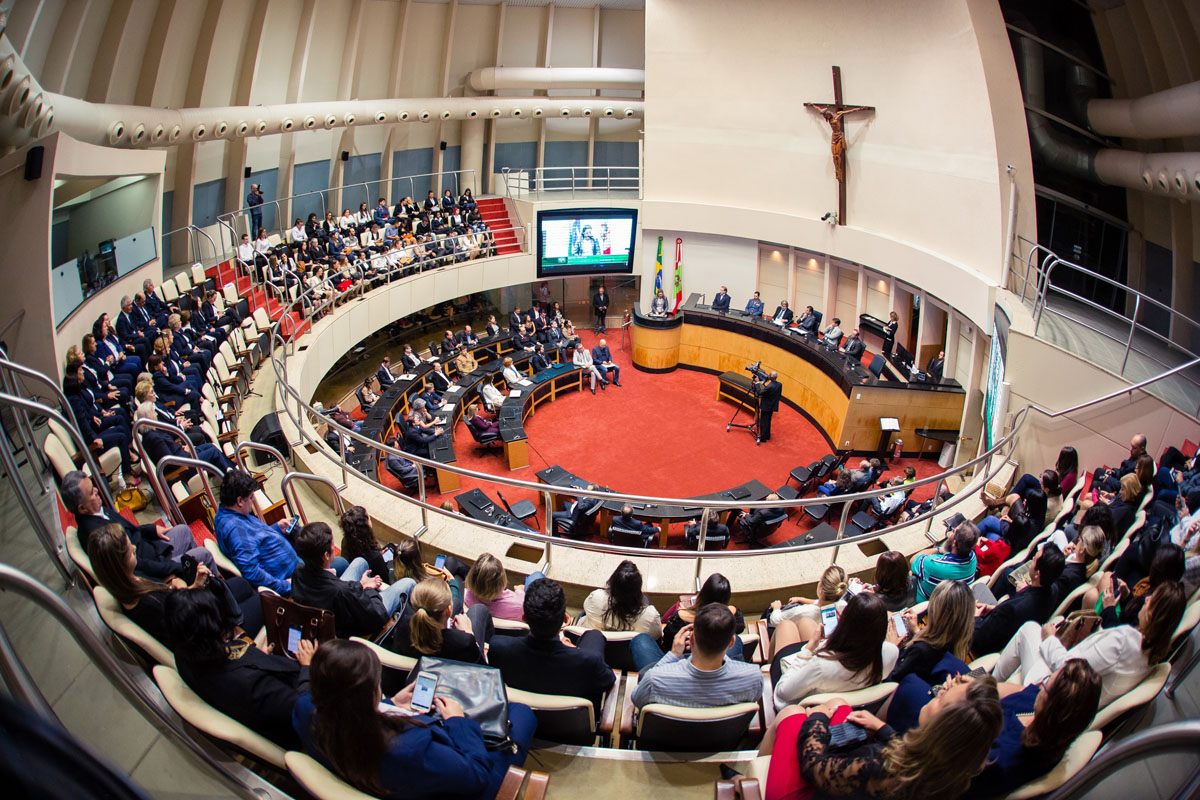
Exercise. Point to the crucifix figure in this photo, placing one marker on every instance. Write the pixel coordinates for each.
(833, 114)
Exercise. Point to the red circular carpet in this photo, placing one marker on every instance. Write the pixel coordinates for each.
(661, 435)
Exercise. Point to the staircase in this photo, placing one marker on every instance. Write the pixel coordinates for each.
(495, 214)
(258, 298)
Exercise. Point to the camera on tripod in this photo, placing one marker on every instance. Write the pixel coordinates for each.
(758, 373)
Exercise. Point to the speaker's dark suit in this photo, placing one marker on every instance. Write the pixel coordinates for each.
(768, 404)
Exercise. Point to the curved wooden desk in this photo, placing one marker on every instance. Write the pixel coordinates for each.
(655, 341)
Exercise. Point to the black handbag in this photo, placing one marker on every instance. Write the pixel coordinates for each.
(479, 690)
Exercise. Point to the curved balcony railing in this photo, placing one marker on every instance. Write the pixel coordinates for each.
(588, 182)
(299, 412)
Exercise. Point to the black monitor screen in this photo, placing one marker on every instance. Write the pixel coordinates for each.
(585, 241)
(903, 355)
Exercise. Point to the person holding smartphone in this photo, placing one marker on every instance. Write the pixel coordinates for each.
(434, 629)
(389, 747)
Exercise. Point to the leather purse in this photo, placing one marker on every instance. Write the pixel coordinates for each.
(479, 690)
(280, 615)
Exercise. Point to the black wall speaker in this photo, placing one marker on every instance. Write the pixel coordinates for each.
(247, 172)
(33, 162)
(441, 145)
(345, 155)
(268, 432)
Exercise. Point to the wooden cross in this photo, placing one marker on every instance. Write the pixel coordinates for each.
(833, 114)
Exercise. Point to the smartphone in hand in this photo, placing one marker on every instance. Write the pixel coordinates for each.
(422, 699)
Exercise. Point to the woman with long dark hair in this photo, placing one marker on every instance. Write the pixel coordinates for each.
(426, 755)
(358, 541)
(892, 583)
(856, 655)
(1067, 467)
(715, 590)
(621, 606)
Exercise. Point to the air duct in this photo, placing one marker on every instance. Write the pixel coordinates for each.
(545, 78)
(1169, 114)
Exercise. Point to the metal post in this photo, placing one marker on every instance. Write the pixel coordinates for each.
(421, 494)
(1137, 302)
(937, 493)
(696, 576)
(703, 530)
(551, 507)
(841, 532)
(25, 430)
(48, 540)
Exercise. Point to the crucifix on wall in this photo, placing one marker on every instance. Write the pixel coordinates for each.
(833, 114)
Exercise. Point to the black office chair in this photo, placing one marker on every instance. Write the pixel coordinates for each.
(363, 405)
(862, 522)
(523, 510)
(483, 441)
(755, 534)
(577, 525)
(803, 475)
(628, 537)
(434, 350)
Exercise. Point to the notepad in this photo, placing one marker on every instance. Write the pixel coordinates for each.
(408, 376)
(515, 393)
(453, 389)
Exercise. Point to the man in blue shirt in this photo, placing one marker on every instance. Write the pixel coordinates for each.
(602, 358)
(261, 551)
(754, 306)
(957, 563)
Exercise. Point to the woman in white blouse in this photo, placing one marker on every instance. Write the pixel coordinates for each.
(1122, 654)
(856, 655)
(622, 606)
(510, 373)
(346, 221)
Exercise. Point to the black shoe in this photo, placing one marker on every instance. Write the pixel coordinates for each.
(593, 390)
(602, 385)
(728, 773)
(616, 384)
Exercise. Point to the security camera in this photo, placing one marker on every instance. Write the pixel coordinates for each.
(830, 217)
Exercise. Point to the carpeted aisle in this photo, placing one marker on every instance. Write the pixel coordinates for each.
(661, 435)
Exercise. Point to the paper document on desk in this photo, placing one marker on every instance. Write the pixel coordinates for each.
(515, 393)
(453, 389)
(524, 383)
(408, 376)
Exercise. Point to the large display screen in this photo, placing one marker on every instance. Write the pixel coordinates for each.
(585, 241)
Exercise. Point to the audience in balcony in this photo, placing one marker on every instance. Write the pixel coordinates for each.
(434, 629)
(487, 585)
(1108, 478)
(159, 444)
(257, 689)
(716, 589)
(385, 747)
(261, 552)
(954, 561)
(358, 541)
(1121, 654)
(1067, 467)
(945, 639)
(831, 589)
(621, 605)
(893, 584)
(995, 625)
(859, 652)
(114, 561)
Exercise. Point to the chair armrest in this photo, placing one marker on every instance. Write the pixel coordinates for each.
(608, 711)
(538, 783)
(510, 787)
(763, 653)
(227, 436)
(767, 701)
(751, 790)
(724, 790)
(631, 681)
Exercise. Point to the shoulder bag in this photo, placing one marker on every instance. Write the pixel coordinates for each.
(281, 616)
(480, 691)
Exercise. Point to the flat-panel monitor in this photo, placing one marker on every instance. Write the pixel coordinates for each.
(903, 355)
(585, 241)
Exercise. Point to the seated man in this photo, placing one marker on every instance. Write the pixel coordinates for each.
(626, 520)
(706, 678)
(409, 360)
(465, 362)
(384, 373)
(721, 300)
(542, 660)
(751, 522)
(539, 361)
(418, 437)
(433, 400)
(808, 320)
(783, 315)
(160, 444)
(955, 561)
(466, 337)
(754, 306)
(936, 367)
(449, 344)
(157, 547)
(260, 551)
(602, 358)
(359, 603)
(439, 379)
(554, 336)
(886, 505)
(854, 346)
(716, 533)
(833, 334)
(1109, 479)
(996, 625)
(579, 508)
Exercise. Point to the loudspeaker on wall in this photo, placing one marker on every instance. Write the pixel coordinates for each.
(268, 432)
(345, 155)
(33, 162)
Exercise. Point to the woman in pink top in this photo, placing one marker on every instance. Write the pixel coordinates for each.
(487, 583)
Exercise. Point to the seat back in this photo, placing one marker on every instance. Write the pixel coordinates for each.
(560, 718)
(625, 537)
(77, 554)
(204, 717)
(169, 291)
(1139, 696)
(230, 292)
(693, 730)
(114, 617)
(318, 781)
(198, 276)
(1079, 753)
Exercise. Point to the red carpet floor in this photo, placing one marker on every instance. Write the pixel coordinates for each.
(660, 435)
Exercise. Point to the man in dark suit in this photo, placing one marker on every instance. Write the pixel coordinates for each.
(466, 337)
(449, 344)
(543, 661)
(600, 303)
(809, 320)
(751, 522)
(554, 337)
(410, 360)
(539, 361)
(783, 314)
(158, 547)
(579, 508)
(159, 443)
(769, 394)
(418, 439)
(936, 366)
(996, 625)
(854, 346)
(514, 320)
(384, 373)
(602, 358)
(626, 520)
(721, 300)
(131, 331)
(440, 380)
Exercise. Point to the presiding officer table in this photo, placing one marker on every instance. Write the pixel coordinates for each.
(839, 395)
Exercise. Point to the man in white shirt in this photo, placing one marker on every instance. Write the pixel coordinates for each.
(833, 334)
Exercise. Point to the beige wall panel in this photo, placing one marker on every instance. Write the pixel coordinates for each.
(773, 271)
(278, 41)
(314, 145)
(523, 31)
(878, 297)
(423, 45)
(622, 38)
(515, 130)
(572, 37)
(324, 66)
(809, 282)
(180, 47)
(846, 303)
(709, 262)
(210, 161)
(128, 65)
(262, 152)
(229, 45)
(566, 130)
(618, 130)
(85, 50)
(378, 43)
(474, 42)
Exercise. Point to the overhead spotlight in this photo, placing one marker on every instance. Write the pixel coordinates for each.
(158, 133)
(43, 127)
(608, 112)
(1162, 181)
(199, 131)
(285, 126)
(33, 110)
(138, 134)
(310, 122)
(1181, 182)
(403, 115)
(381, 116)
(1147, 179)
(7, 71)
(472, 114)
(222, 128)
(537, 112)
(628, 112)
(330, 120)
(176, 130)
(349, 119)
(566, 112)
(445, 115)
(18, 96)
(243, 128)
(260, 127)
(425, 115)
(115, 132)
(1196, 181)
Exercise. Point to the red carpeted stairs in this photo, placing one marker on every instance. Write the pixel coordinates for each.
(495, 214)
(258, 298)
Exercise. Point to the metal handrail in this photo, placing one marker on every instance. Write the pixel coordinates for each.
(157, 424)
(248, 445)
(12, 579)
(293, 497)
(172, 505)
(1182, 736)
(518, 181)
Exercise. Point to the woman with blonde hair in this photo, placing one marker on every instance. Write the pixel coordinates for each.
(947, 634)
(487, 584)
(427, 634)
(830, 589)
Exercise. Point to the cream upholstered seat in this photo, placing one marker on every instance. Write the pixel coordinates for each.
(1079, 753)
(224, 563)
(1140, 695)
(318, 781)
(114, 617)
(859, 698)
(695, 730)
(204, 717)
(387, 657)
(560, 718)
(77, 554)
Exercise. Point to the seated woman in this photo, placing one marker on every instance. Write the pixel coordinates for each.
(859, 652)
(344, 722)
(435, 630)
(1121, 654)
(487, 584)
(255, 688)
(366, 396)
(892, 584)
(1167, 565)
(1067, 467)
(510, 372)
(479, 423)
(492, 396)
(1036, 494)
(715, 590)
(830, 589)
(948, 632)
(934, 761)
(358, 541)
(114, 557)
(1040, 722)
(621, 606)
